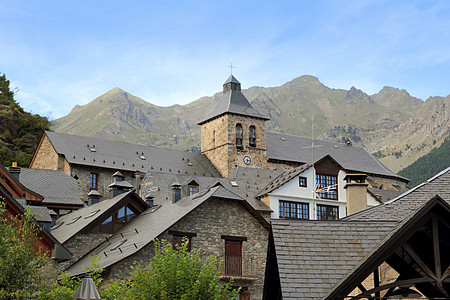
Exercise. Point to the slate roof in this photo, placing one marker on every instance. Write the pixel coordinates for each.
(129, 157)
(384, 195)
(313, 256)
(149, 225)
(409, 202)
(233, 101)
(248, 181)
(40, 213)
(286, 147)
(69, 225)
(55, 186)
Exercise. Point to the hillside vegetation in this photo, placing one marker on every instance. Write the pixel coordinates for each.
(429, 165)
(395, 126)
(20, 131)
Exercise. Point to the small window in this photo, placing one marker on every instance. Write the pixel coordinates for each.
(93, 181)
(302, 181)
(214, 138)
(239, 134)
(327, 212)
(252, 136)
(74, 220)
(193, 189)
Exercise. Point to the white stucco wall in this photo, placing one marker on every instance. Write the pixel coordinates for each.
(291, 191)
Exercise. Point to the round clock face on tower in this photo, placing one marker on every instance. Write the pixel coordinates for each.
(247, 160)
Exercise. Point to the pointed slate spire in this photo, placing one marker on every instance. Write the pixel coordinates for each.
(234, 102)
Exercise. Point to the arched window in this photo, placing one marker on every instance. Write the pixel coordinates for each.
(239, 134)
(252, 136)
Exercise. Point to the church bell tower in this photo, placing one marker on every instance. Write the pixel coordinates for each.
(234, 132)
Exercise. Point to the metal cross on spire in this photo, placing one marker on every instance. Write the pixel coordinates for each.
(231, 68)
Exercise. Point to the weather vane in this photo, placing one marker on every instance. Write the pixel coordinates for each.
(231, 68)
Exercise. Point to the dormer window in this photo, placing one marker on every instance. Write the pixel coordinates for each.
(192, 188)
(252, 136)
(239, 134)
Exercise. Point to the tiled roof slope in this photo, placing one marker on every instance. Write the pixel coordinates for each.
(55, 186)
(39, 213)
(248, 183)
(233, 101)
(313, 256)
(409, 202)
(130, 157)
(286, 147)
(149, 225)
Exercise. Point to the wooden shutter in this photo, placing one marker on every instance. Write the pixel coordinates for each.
(233, 257)
(245, 295)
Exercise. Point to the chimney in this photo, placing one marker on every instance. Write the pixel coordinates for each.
(356, 187)
(119, 186)
(149, 198)
(14, 170)
(94, 197)
(176, 191)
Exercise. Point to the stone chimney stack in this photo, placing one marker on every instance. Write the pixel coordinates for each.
(149, 198)
(14, 170)
(356, 187)
(176, 191)
(119, 185)
(94, 197)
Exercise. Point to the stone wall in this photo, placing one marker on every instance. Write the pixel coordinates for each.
(46, 156)
(209, 222)
(104, 179)
(81, 244)
(219, 143)
(387, 183)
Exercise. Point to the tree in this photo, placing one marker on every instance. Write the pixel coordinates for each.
(20, 256)
(175, 275)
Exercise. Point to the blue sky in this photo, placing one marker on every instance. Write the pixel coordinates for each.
(62, 53)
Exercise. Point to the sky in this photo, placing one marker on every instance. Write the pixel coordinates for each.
(58, 54)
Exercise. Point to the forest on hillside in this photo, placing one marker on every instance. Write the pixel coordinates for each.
(429, 165)
(20, 131)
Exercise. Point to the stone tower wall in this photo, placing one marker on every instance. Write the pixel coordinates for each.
(221, 150)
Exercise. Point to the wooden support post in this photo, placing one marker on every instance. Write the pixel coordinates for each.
(437, 255)
(376, 282)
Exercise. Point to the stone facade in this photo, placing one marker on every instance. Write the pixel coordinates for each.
(219, 143)
(80, 245)
(45, 156)
(210, 222)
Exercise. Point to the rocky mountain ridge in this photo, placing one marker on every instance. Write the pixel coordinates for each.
(395, 126)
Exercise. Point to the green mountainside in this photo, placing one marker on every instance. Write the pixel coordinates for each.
(429, 165)
(20, 131)
(395, 126)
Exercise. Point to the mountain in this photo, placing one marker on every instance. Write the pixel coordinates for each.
(428, 165)
(20, 131)
(395, 126)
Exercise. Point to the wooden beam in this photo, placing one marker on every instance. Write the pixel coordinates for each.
(419, 261)
(407, 282)
(437, 255)
(446, 274)
(376, 282)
